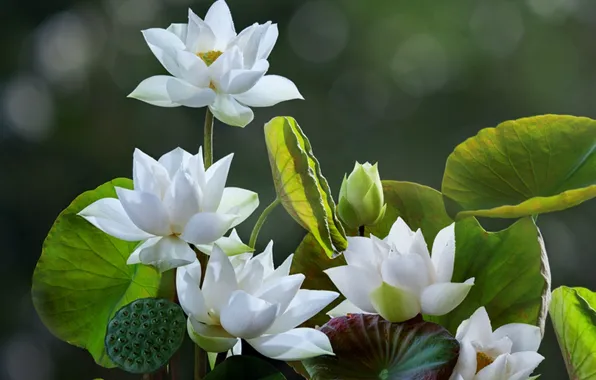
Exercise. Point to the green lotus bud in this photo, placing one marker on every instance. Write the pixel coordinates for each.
(361, 200)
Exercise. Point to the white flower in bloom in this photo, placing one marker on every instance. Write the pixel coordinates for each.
(396, 277)
(245, 297)
(508, 353)
(213, 66)
(175, 201)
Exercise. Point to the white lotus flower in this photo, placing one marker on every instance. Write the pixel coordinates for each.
(175, 201)
(245, 297)
(508, 353)
(396, 277)
(213, 66)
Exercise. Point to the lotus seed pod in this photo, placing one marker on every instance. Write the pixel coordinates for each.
(144, 334)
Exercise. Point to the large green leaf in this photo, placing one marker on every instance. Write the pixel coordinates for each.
(81, 278)
(574, 319)
(300, 186)
(369, 347)
(511, 271)
(245, 367)
(523, 167)
(420, 206)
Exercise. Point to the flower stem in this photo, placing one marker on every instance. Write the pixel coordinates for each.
(361, 231)
(257, 228)
(208, 138)
(200, 357)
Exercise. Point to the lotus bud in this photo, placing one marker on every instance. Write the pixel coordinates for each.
(361, 200)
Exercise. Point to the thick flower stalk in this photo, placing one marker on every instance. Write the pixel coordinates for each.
(245, 297)
(508, 353)
(361, 199)
(213, 66)
(175, 202)
(396, 277)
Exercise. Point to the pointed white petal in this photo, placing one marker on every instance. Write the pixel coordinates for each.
(164, 45)
(524, 337)
(174, 160)
(216, 177)
(239, 202)
(145, 210)
(420, 248)
(227, 110)
(135, 256)
(220, 281)
(210, 338)
(345, 308)
(149, 175)
(207, 227)
(183, 93)
(219, 18)
(199, 37)
(400, 235)
(476, 328)
(196, 168)
(108, 215)
(522, 364)
(250, 46)
(181, 201)
(240, 81)
(296, 344)
(443, 256)
(266, 260)
(180, 30)
(282, 291)
(407, 271)
(247, 316)
(251, 277)
(494, 371)
(358, 292)
(305, 305)
(167, 253)
(192, 69)
(231, 59)
(282, 270)
(443, 297)
(189, 292)
(268, 91)
(363, 252)
(154, 90)
(466, 363)
(268, 42)
(496, 348)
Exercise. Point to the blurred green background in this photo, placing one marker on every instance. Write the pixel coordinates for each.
(400, 82)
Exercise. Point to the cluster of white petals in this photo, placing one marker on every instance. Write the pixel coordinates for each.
(213, 66)
(508, 353)
(175, 202)
(396, 277)
(245, 297)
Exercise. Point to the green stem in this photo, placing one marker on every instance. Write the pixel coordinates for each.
(208, 138)
(257, 228)
(200, 356)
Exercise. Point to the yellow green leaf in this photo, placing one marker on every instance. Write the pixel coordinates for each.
(300, 186)
(523, 167)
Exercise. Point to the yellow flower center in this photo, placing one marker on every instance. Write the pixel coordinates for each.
(482, 360)
(210, 56)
